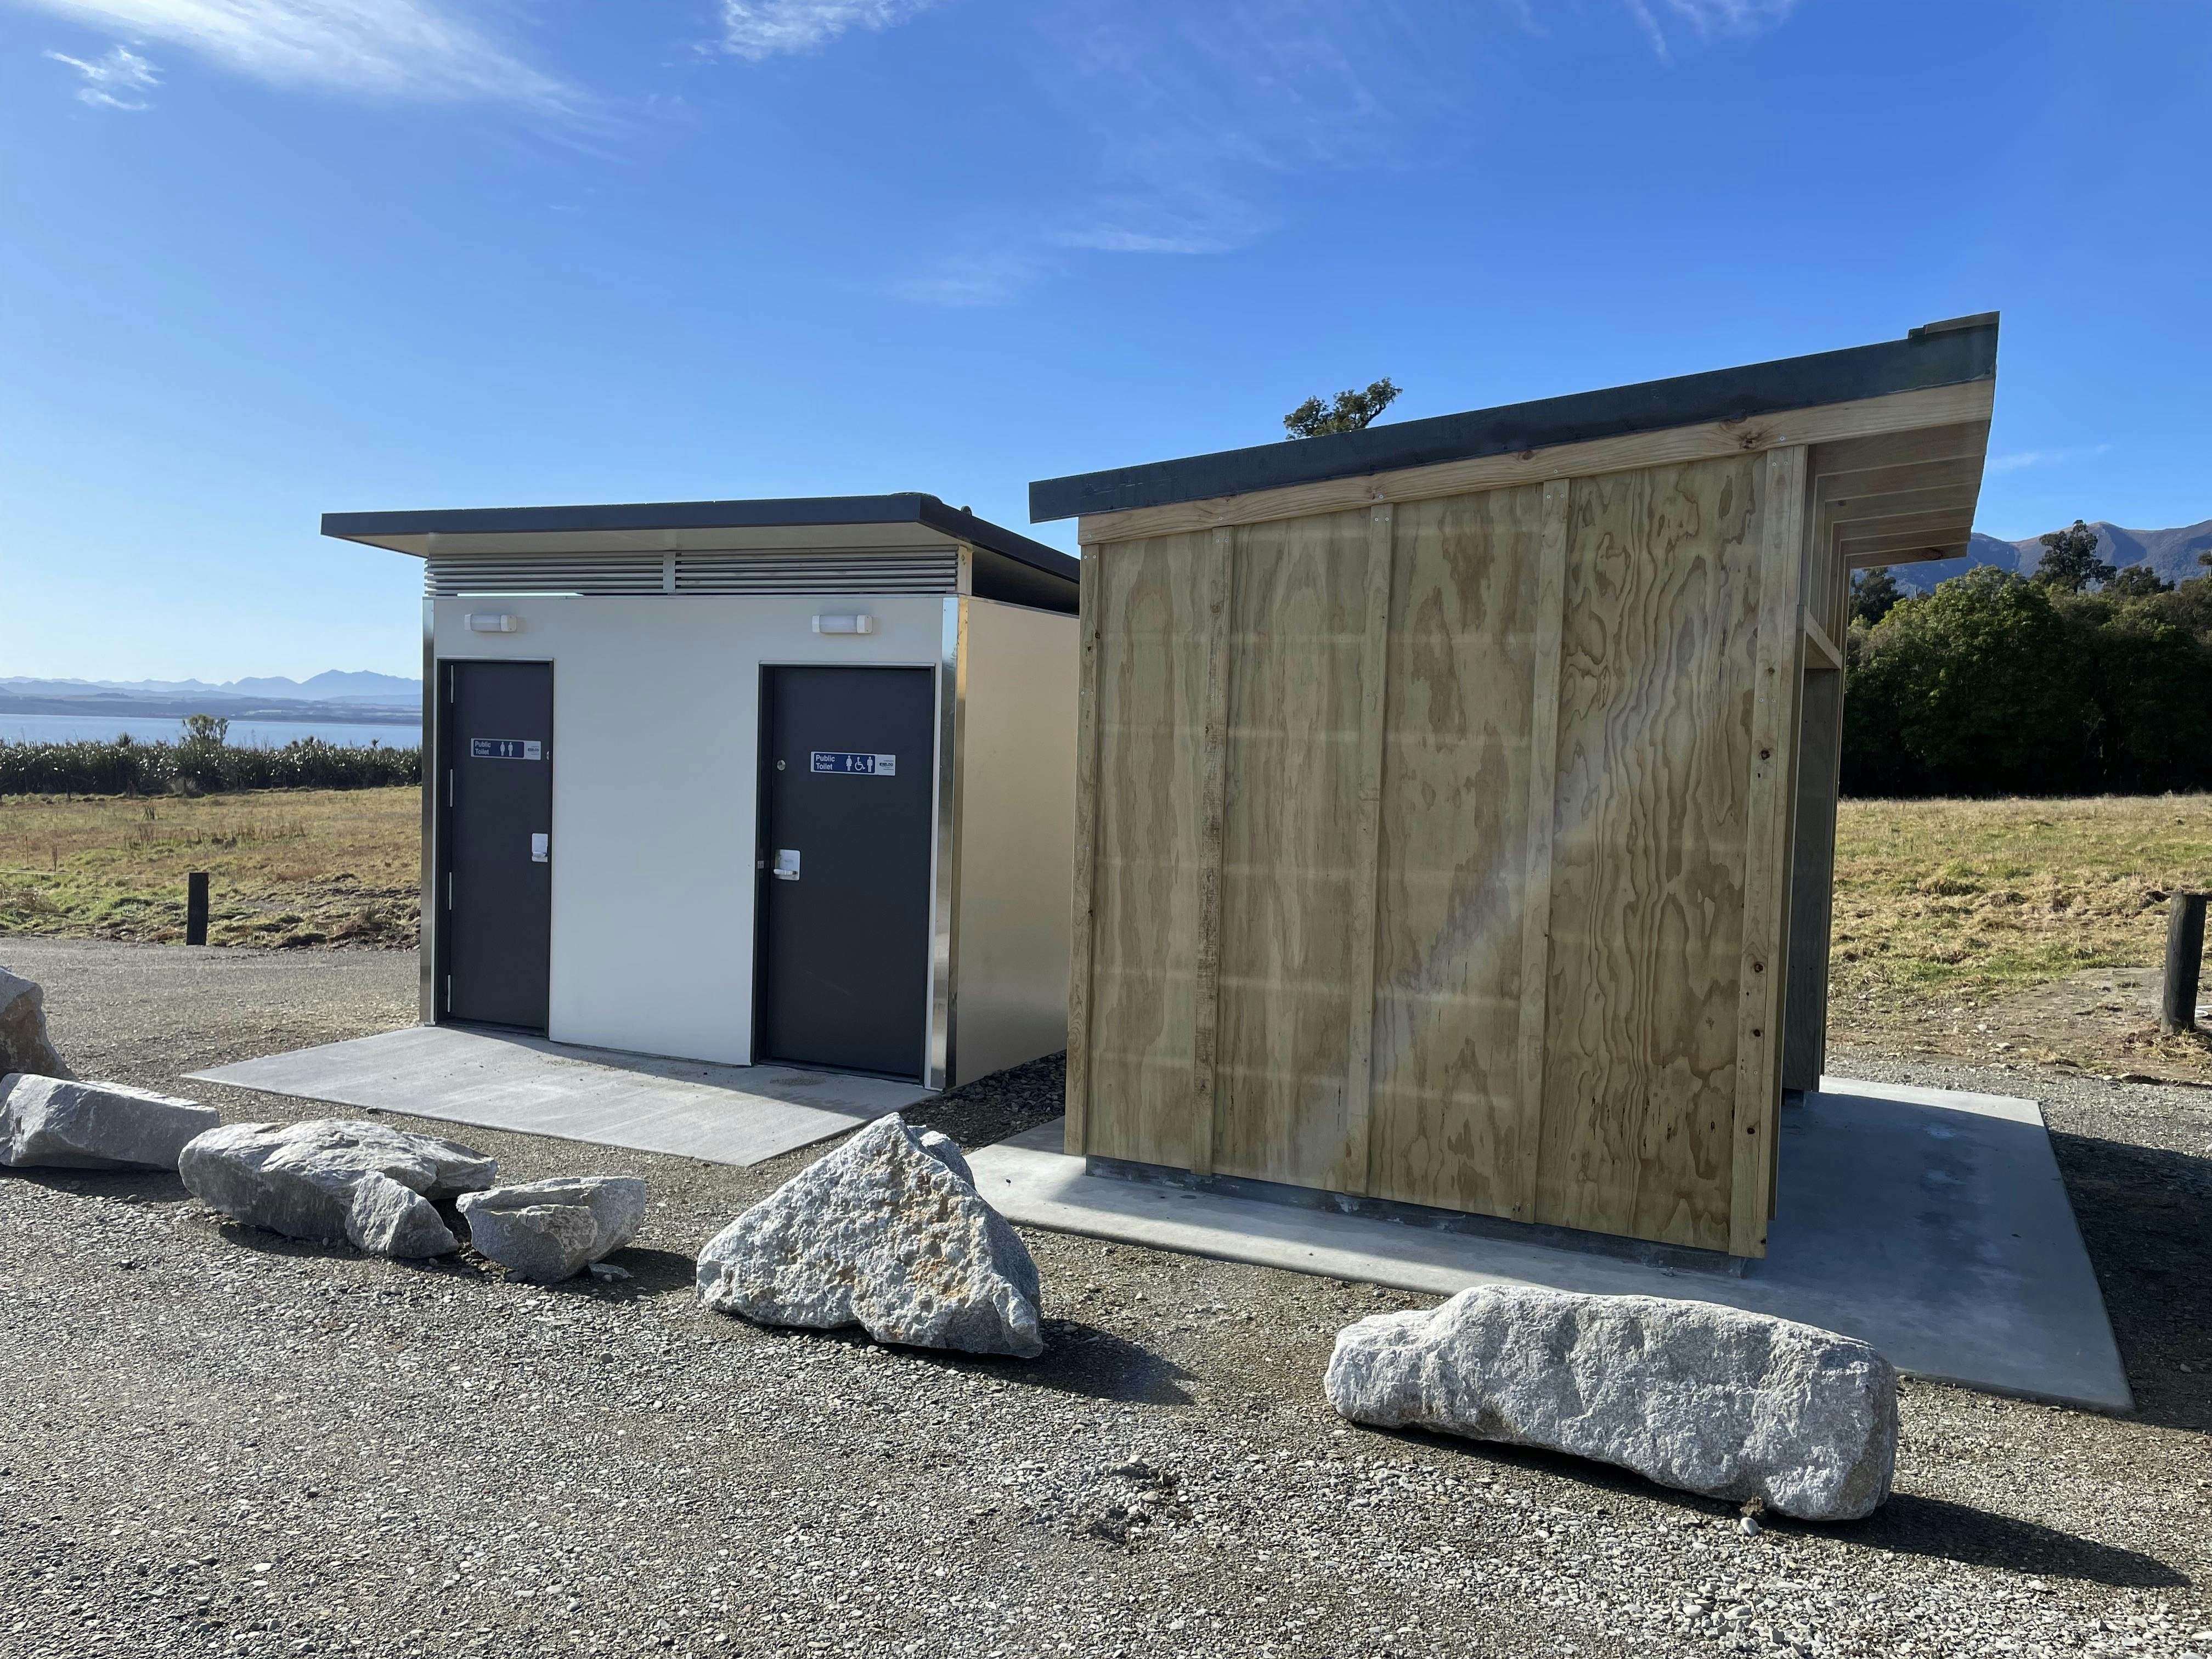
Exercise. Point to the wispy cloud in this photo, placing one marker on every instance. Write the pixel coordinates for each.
(754, 29)
(1191, 134)
(109, 81)
(1197, 117)
(995, 276)
(419, 50)
(2021, 459)
(1706, 19)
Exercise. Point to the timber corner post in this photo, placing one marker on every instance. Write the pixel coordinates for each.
(1081, 955)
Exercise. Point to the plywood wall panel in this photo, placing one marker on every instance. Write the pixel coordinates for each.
(1658, 662)
(1150, 698)
(1447, 1100)
(1296, 642)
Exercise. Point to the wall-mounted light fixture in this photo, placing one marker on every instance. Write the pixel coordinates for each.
(492, 622)
(862, 624)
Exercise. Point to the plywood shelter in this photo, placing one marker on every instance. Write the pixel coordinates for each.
(748, 781)
(1457, 798)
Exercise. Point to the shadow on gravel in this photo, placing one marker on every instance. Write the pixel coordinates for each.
(651, 1273)
(131, 1186)
(1908, 1524)
(1913, 1525)
(1077, 1359)
(2146, 1215)
(1083, 1359)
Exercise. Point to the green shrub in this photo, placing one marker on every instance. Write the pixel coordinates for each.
(1992, 685)
(126, 766)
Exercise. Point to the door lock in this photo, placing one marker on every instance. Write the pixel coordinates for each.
(541, 847)
(786, 864)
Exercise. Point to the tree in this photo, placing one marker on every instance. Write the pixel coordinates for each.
(1351, 411)
(2069, 560)
(1974, 689)
(2138, 581)
(208, 731)
(1875, 594)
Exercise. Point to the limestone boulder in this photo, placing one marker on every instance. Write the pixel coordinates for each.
(23, 1042)
(52, 1122)
(886, 1233)
(946, 1150)
(542, 1231)
(1707, 1399)
(376, 1187)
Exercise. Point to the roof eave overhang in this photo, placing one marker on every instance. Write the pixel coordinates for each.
(859, 521)
(1745, 403)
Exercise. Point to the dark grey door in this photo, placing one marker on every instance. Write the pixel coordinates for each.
(847, 757)
(499, 856)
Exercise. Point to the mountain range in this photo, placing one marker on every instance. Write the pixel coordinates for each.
(332, 685)
(2171, 553)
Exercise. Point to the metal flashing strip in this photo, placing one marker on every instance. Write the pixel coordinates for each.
(1938, 354)
(944, 853)
(431, 937)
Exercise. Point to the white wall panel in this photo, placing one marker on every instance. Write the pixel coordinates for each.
(656, 726)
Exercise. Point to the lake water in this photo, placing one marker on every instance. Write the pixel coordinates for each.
(244, 734)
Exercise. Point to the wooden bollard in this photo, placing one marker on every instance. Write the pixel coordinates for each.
(2185, 962)
(196, 908)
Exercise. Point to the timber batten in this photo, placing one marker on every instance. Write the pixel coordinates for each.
(1461, 835)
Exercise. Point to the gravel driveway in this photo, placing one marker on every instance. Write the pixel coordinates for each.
(221, 1441)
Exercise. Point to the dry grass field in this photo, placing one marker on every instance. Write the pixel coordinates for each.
(2008, 930)
(2027, 929)
(289, 867)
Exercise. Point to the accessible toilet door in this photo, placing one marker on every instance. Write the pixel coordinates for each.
(499, 869)
(843, 971)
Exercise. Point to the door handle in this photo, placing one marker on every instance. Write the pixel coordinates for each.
(786, 864)
(541, 847)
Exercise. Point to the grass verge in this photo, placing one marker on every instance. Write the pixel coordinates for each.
(285, 867)
(1982, 929)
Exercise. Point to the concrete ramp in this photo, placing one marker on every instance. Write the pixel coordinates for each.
(1931, 1223)
(501, 1080)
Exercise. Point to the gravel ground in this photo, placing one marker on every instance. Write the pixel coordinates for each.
(227, 1443)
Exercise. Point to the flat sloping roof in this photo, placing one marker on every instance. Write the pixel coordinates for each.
(386, 529)
(1938, 354)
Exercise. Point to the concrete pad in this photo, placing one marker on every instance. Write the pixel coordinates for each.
(500, 1081)
(1931, 1223)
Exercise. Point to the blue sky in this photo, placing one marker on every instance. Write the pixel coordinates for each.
(264, 258)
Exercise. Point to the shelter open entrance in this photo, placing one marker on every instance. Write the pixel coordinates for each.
(1457, 798)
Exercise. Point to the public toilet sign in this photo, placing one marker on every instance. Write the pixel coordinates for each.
(506, 749)
(880, 766)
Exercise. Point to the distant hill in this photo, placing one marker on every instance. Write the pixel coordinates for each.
(332, 685)
(2171, 553)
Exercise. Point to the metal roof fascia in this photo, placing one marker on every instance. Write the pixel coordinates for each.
(1937, 354)
(380, 529)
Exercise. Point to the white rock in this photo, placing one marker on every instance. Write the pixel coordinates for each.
(23, 1043)
(1704, 1398)
(57, 1123)
(395, 1221)
(946, 1150)
(330, 1179)
(883, 1233)
(545, 1230)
